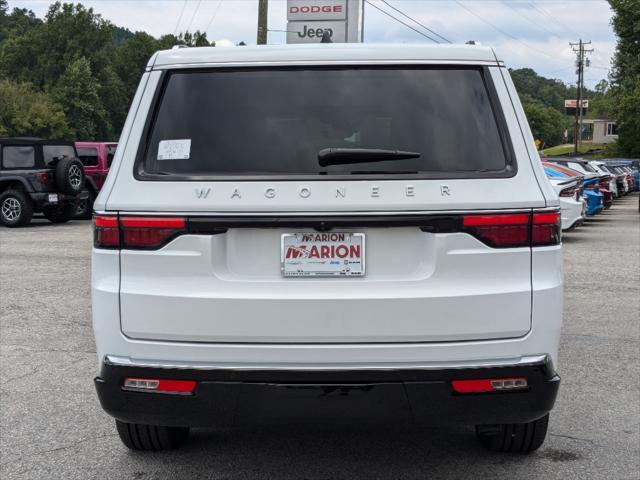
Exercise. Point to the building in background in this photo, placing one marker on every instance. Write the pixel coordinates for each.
(598, 130)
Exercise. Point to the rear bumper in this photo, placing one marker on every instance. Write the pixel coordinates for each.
(424, 394)
(42, 200)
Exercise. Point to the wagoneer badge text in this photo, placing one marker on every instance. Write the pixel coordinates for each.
(305, 192)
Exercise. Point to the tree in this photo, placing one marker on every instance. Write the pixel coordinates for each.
(26, 112)
(547, 124)
(42, 53)
(77, 91)
(195, 39)
(625, 76)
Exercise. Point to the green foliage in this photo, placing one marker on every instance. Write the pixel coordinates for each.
(77, 91)
(625, 76)
(26, 112)
(547, 124)
(196, 39)
(548, 92)
(89, 66)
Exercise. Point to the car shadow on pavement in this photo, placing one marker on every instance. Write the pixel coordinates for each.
(328, 453)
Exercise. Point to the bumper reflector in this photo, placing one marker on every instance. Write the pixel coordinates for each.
(176, 387)
(489, 385)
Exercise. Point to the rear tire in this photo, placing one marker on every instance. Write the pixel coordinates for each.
(140, 437)
(84, 208)
(514, 437)
(16, 208)
(60, 213)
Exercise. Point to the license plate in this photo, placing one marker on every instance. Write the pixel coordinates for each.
(53, 198)
(331, 254)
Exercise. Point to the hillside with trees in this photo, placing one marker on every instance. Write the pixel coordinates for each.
(71, 74)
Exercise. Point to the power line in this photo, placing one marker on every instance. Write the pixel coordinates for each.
(194, 15)
(415, 21)
(215, 13)
(400, 21)
(553, 19)
(506, 2)
(184, 5)
(505, 33)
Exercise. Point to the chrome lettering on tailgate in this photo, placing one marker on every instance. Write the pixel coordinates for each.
(329, 254)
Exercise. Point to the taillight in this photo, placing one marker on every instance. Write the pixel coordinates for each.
(136, 232)
(511, 230)
(546, 229)
(106, 233)
(43, 178)
(514, 230)
(149, 232)
(155, 385)
(489, 385)
(568, 192)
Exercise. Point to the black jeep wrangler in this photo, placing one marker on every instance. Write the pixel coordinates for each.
(39, 176)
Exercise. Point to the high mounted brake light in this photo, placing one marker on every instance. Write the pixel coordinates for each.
(136, 232)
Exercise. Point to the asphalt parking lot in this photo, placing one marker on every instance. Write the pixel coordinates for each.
(51, 425)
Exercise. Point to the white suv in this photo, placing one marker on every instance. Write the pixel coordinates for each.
(294, 231)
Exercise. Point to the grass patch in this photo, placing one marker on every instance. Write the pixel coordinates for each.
(566, 149)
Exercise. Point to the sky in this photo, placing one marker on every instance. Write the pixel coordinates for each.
(525, 33)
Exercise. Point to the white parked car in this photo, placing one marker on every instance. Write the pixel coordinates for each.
(602, 170)
(572, 207)
(301, 229)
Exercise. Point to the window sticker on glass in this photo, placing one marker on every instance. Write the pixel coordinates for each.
(174, 149)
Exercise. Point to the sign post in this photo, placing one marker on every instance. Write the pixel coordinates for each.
(308, 20)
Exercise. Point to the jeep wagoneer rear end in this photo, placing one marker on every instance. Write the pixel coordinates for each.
(350, 230)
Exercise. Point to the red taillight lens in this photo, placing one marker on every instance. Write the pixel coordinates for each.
(135, 232)
(106, 233)
(546, 229)
(568, 192)
(515, 230)
(489, 385)
(149, 232)
(43, 178)
(177, 387)
(510, 230)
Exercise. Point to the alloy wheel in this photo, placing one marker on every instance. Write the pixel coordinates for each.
(11, 209)
(75, 176)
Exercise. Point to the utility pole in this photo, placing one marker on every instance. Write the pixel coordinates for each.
(263, 8)
(580, 63)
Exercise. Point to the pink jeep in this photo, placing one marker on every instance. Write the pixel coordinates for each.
(96, 158)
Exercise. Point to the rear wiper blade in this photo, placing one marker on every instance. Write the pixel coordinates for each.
(344, 156)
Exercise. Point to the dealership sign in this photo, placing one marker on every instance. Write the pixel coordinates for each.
(570, 106)
(309, 20)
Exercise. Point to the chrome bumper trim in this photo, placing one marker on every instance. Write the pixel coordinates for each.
(181, 365)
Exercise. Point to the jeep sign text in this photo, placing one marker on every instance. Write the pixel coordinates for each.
(311, 32)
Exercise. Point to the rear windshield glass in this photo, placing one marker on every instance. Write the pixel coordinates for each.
(88, 156)
(585, 166)
(274, 122)
(56, 152)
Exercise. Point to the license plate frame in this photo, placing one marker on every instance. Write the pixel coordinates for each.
(309, 263)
